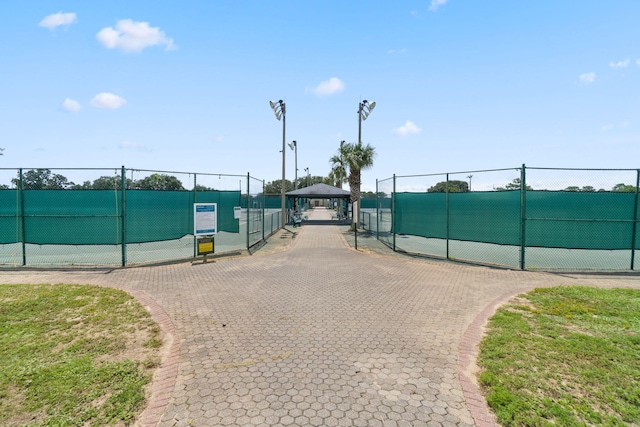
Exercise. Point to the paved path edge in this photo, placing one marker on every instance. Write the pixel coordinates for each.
(164, 379)
(467, 367)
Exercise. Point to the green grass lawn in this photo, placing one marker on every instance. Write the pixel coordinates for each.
(73, 355)
(564, 356)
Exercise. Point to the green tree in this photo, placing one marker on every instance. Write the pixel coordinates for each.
(159, 182)
(204, 188)
(624, 188)
(84, 186)
(108, 183)
(43, 179)
(455, 186)
(514, 185)
(357, 157)
(338, 172)
(275, 187)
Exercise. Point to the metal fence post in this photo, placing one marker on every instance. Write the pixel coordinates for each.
(248, 208)
(393, 213)
(195, 200)
(523, 215)
(634, 227)
(262, 206)
(123, 215)
(446, 204)
(22, 230)
(377, 211)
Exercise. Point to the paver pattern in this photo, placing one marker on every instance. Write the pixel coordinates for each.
(319, 334)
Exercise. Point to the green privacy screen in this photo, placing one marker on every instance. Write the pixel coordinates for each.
(94, 217)
(491, 217)
(593, 220)
(9, 219)
(553, 219)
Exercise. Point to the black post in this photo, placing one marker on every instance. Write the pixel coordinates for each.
(22, 230)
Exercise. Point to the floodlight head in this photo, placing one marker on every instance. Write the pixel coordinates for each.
(292, 145)
(278, 108)
(372, 105)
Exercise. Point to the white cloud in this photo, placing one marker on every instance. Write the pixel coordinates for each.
(396, 51)
(57, 19)
(435, 4)
(71, 105)
(132, 36)
(328, 87)
(409, 128)
(107, 100)
(588, 78)
(620, 64)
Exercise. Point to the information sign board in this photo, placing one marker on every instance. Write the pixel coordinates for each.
(205, 219)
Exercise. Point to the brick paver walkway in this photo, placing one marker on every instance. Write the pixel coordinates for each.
(319, 334)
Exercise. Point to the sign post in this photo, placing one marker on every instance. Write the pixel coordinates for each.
(205, 225)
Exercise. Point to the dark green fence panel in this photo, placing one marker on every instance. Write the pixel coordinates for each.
(488, 217)
(637, 245)
(273, 202)
(9, 220)
(580, 220)
(167, 215)
(154, 215)
(421, 214)
(367, 203)
(71, 217)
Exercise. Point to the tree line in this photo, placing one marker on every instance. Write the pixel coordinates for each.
(44, 179)
(455, 186)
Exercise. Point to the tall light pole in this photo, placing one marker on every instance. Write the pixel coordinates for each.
(280, 110)
(469, 176)
(364, 109)
(307, 171)
(294, 146)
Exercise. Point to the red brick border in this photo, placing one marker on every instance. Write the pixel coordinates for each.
(467, 354)
(164, 379)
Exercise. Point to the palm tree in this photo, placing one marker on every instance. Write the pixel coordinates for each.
(338, 172)
(357, 157)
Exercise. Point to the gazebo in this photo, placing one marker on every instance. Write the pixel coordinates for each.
(321, 191)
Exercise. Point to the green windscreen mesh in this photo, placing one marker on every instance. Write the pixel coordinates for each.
(589, 220)
(421, 214)
(94, 217)
(554, 219)
(490, 217)
(9, 216)
(367, 203)
(83, 217)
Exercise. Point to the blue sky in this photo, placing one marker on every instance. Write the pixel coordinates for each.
(185, 86)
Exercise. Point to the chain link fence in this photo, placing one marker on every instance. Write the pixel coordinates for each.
(527, 218)
(119, 217)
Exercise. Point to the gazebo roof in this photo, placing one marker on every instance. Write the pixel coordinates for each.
(319, 191)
